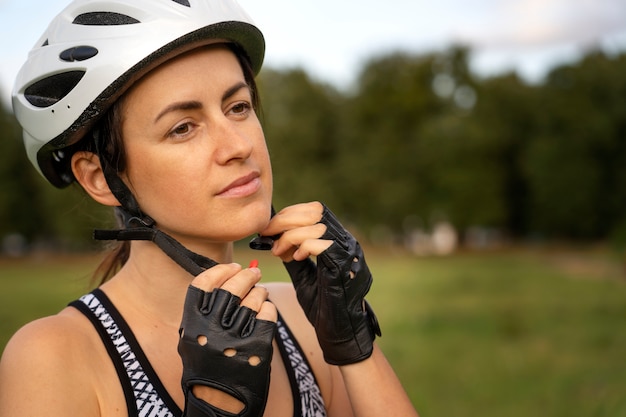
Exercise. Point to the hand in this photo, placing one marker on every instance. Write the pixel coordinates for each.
(331, 292)
(226, 343)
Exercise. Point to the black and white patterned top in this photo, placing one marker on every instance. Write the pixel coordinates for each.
(145, 394)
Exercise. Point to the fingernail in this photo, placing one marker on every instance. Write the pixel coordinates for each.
(254, 263)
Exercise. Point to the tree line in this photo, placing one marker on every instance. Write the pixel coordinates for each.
(418, 138)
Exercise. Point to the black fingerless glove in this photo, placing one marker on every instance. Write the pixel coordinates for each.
(220, 345)
(332, 293)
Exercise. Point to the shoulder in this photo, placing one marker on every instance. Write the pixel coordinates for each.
(50, 340)
(48, 361)
(283, 295)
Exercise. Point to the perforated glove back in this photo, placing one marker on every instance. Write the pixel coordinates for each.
(332, 293)
(215, 326)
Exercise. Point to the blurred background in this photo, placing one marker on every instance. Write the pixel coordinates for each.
(486, 121)
(478, 148)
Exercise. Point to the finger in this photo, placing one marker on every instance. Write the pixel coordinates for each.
(287, 255)
(295, 237)
(255, 298)
(242, 282)
(215, 277)
(268, 312)
(298, 215)
(312, 247)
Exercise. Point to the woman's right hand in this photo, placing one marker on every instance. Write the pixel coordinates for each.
(241, 283)
(226, 343)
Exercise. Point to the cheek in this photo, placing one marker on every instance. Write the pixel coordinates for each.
(265, 163)
(159, 179)
(269, 175)
(263, 151)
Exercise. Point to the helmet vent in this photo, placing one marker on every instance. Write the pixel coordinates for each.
(104, 19)
(46, 92)
(182, 2)
(78, 53)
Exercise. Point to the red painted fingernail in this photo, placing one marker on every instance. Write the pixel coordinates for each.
(254, 263)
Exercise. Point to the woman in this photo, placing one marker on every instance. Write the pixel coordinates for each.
(150, 106)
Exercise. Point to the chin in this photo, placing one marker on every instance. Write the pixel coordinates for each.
(259, 217)
(247, 221)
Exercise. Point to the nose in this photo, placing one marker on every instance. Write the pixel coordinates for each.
(232, 140)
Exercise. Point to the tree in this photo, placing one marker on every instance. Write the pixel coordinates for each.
(575, 164)
(505, 119)
(20, 208)
(300, 120)
(379, 147)
(34, 209)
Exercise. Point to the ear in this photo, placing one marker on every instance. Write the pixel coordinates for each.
(88, 172)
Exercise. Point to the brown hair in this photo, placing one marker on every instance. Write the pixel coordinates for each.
(110, 130)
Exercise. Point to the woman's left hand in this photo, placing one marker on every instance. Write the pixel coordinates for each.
(300, 232)
(331, 292)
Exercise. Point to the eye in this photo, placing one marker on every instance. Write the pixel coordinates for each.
(181, 130)
(241, 108)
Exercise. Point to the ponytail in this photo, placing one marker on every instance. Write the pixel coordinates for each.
(112, 262)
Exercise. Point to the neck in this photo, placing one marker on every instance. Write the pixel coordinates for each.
(157, 281)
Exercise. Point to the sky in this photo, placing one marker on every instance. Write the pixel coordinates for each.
(331, 39)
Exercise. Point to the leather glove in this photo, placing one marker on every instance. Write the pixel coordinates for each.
(332, 293)
(220, 341)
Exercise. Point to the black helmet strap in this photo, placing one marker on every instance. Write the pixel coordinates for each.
(137, 230)
(140, 226)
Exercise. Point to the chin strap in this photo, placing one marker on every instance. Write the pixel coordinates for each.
(139, 226)
(144, 229)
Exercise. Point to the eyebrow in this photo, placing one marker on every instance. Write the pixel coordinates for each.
(182, 105)
(233, 90)
(195, 105)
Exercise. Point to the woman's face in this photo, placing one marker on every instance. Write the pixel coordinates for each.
(197, 161)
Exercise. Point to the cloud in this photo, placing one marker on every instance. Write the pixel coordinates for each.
(332, 38)
(531, 24)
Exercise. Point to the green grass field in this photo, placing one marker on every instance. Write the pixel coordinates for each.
(510, 333)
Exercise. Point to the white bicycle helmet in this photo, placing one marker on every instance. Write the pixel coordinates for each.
(93, 51)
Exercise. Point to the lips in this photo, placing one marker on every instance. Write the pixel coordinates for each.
(242, 186)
